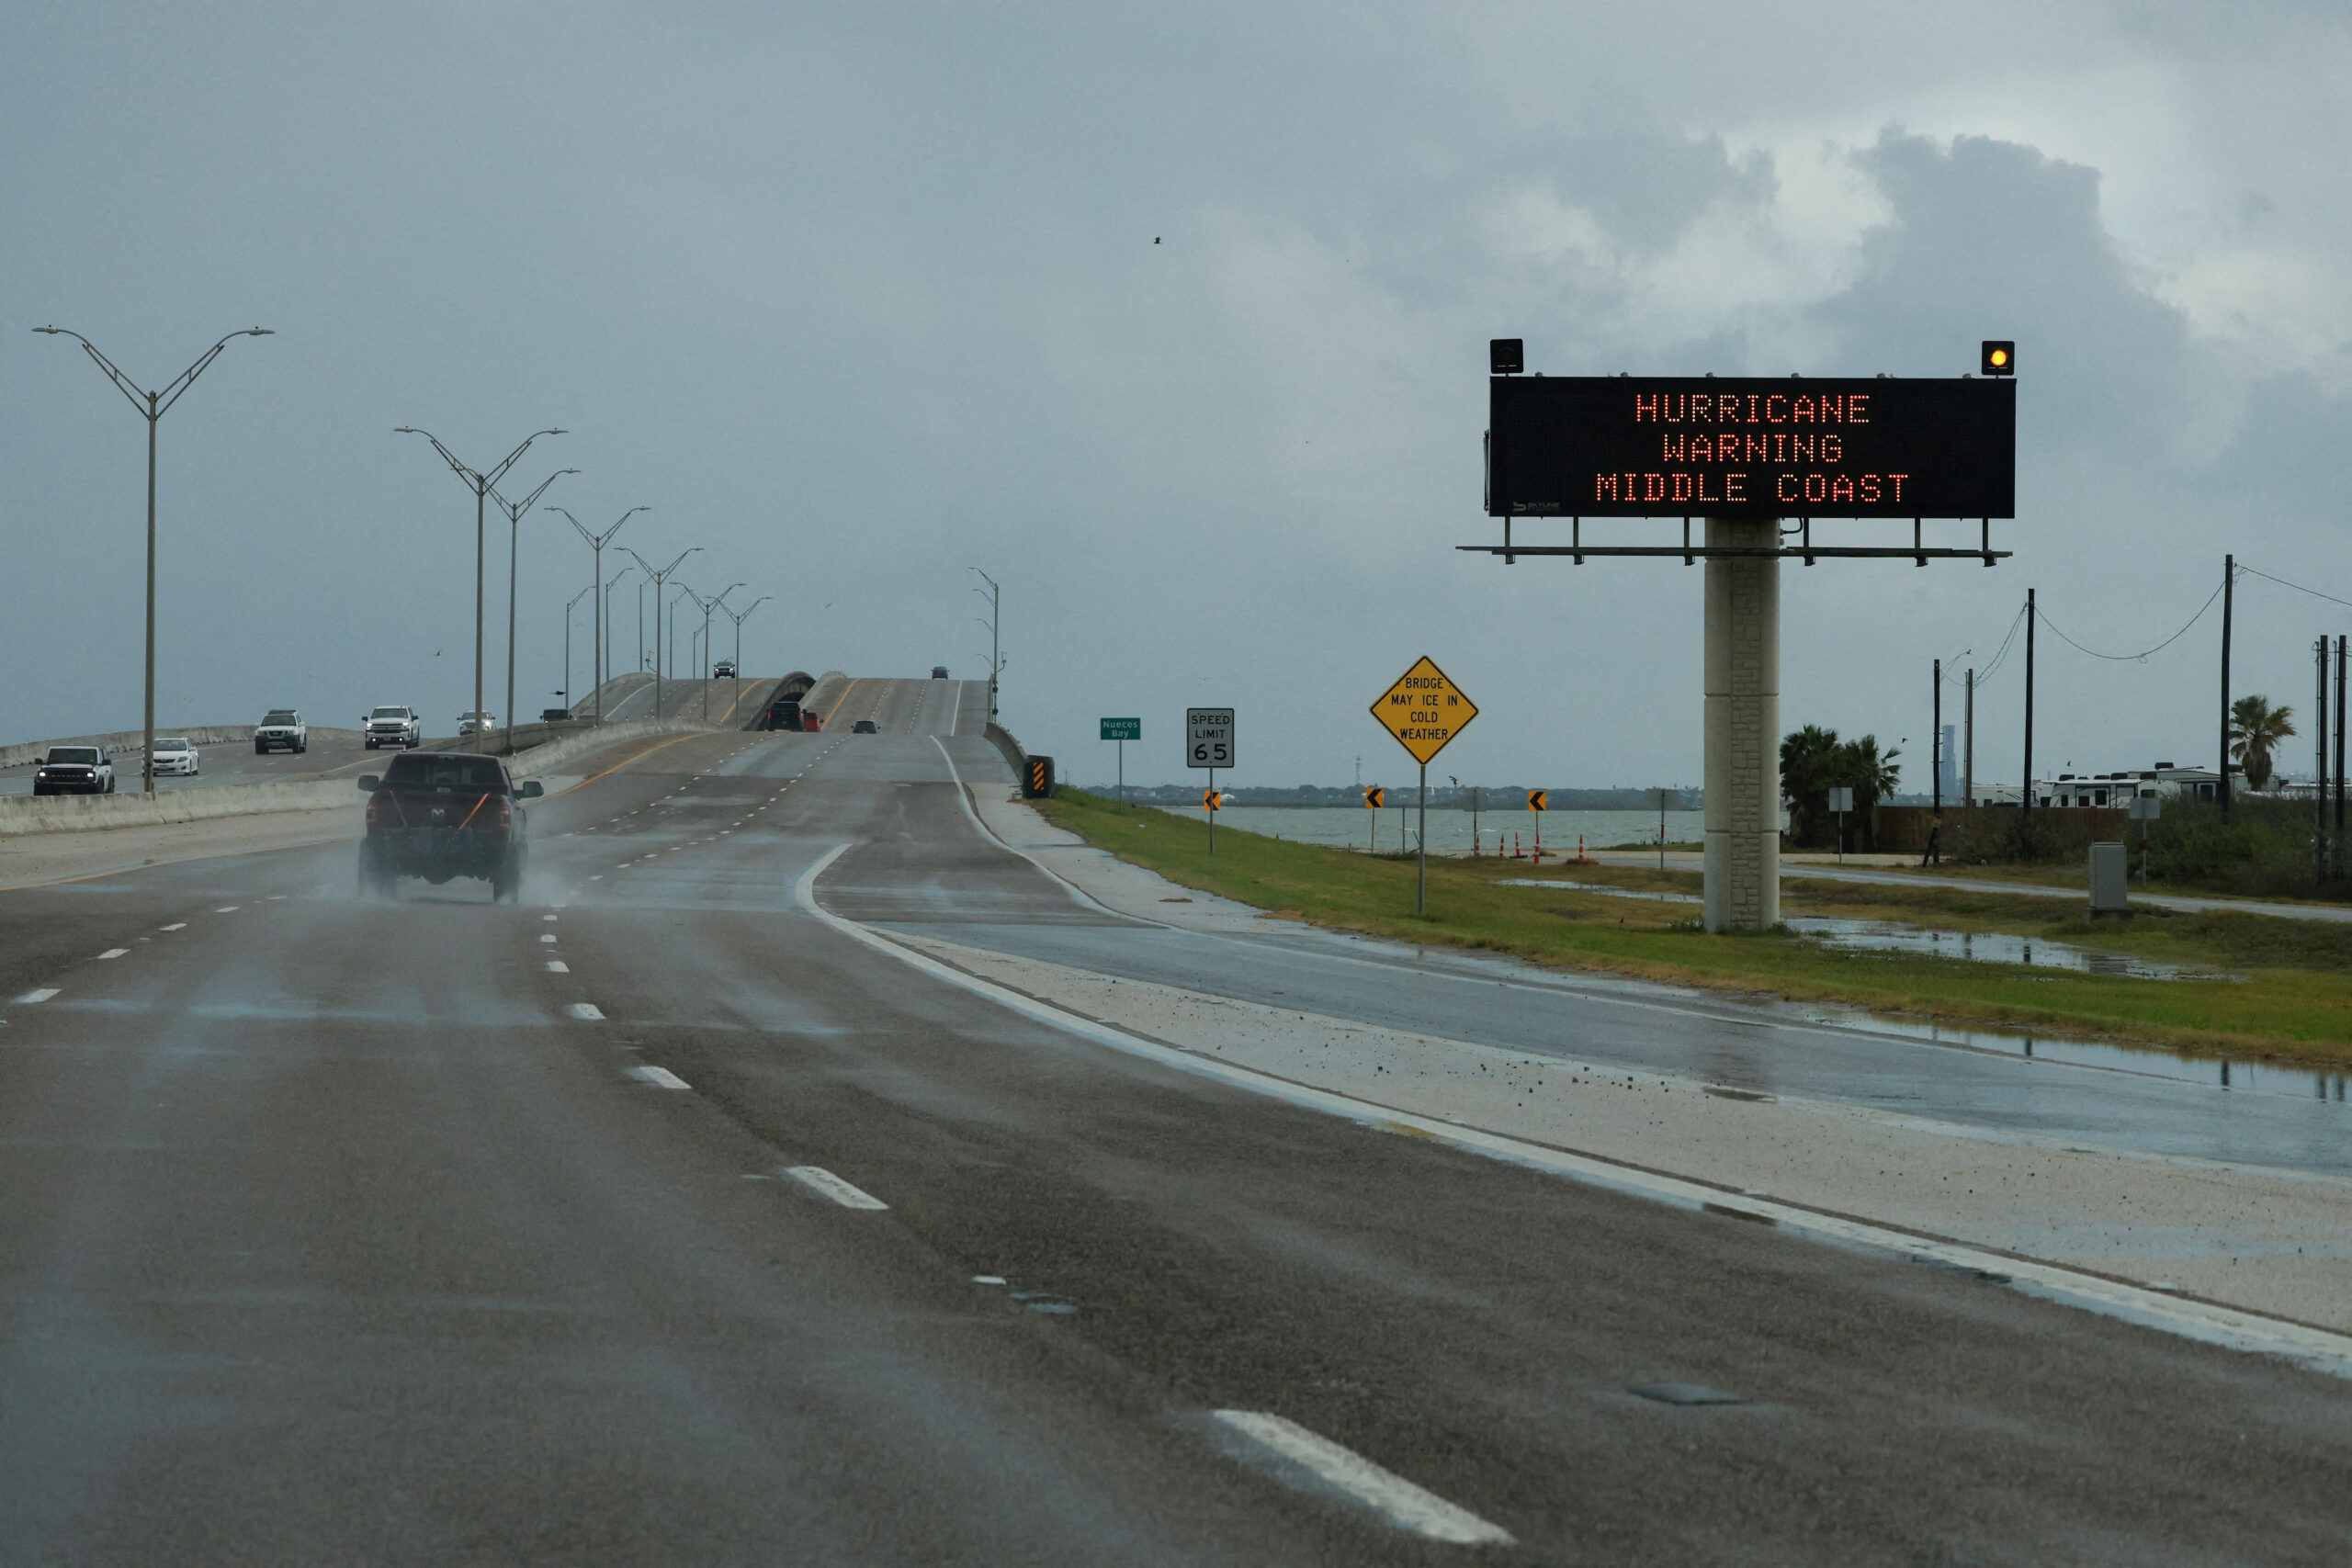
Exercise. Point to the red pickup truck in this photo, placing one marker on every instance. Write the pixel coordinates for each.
(443, 814)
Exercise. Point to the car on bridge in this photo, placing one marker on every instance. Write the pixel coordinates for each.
(389, 724)
(477, 723)
(723, 670)
(175, 756)
(75, 769)
(864, 727)
(440, 815)
(938, 671)
(281, 729)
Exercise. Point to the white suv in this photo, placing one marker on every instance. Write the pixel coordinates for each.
(477, 723)
(281, 727)
(392, 725)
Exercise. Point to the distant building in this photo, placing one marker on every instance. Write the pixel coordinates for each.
(2105, 790)
(1947, 766)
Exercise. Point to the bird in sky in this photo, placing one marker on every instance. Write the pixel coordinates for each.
(1155, 239)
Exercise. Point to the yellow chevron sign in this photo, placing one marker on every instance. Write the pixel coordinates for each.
(1536, 801)
(1424, 710)
(1374, 795)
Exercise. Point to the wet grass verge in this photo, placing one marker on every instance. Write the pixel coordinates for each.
(2279, 990)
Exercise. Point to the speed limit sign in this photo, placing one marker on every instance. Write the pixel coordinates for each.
(1208, 737)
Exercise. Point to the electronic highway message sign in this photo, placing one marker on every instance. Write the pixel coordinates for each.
(1682, 446)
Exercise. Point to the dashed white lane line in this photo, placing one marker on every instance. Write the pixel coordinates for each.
(817, 1178)
(585, 1011)
(547, 936)
(114, 953)
(557, 966)
(41, 995)
(660, 1077)
(174, 926)
(547, 917)
(1403, 1504)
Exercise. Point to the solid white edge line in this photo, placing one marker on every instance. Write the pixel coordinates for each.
(817, 1178)
(2208, 1323)
(1405, 1504)
(660, 1077)
(1078, 894)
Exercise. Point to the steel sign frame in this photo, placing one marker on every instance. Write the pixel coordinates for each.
(1752, 447)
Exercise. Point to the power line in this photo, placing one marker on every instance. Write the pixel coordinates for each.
(2246, 571)
(2134, 657)
(2003, 651)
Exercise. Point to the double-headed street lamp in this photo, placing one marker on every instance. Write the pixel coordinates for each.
(596, 543)
(515, 510)
(150, 407)
(479, 484)
(738, 617)
(714, 601)
(661, 581)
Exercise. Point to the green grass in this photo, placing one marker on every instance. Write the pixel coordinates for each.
(2291, 1000)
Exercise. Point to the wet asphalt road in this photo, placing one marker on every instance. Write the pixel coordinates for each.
(342, 1231)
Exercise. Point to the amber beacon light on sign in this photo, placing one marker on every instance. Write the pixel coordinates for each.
(1999, 358)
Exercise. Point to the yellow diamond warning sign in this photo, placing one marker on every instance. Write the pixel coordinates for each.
(1424, 711)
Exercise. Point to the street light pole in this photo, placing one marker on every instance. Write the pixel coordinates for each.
(479, 484)
(514, 550)
(567, 647)
(738, 617)
(151, 407)
(709, 604)
(604, 632)
(661, 581)
(996, 659)
(596, 545)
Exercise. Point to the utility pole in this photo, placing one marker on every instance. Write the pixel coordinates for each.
(2031, 614)
(480, 483)
(1936, 740)
(2319, 768)
(151, 407)
(2340, 662)
(1968, 744)
(2228, 596)
(513, 558)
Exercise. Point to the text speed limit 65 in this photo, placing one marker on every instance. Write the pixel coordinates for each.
(1208, 737)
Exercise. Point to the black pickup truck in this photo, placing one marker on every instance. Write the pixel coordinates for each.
(443, 814)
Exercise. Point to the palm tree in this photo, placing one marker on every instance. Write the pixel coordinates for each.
(1871, 776)
(1808, 767)
(2256, 729)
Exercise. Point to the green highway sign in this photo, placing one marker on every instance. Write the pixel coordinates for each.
(1123, 729)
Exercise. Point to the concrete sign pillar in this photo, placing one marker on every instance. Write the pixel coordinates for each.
(1743, 723)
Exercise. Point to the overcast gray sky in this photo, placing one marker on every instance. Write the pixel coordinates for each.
(857, 296)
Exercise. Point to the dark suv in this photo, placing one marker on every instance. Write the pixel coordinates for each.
(443, 814)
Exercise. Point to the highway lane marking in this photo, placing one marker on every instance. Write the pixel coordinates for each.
(41, 995)
(587, 1013)
(174, 926)
(2209, 1323)
(547, 936)
(817, 1178)
(557, 966)
(547, 917)
(660, 1077)
(1403, 1504)
(114, 953)
(228, 909)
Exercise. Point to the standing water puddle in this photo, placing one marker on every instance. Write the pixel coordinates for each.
(1890, 936)
(1986, 947)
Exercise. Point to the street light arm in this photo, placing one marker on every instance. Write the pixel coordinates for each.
(151, 405)
(500, 472)
(171, 394)
(616, 527)
(575, 523)
(514, 511)
(474, 481)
